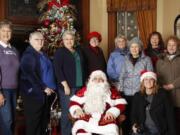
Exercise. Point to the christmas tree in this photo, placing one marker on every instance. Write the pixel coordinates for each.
(56, 17)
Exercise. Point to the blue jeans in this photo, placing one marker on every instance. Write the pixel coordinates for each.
(7, 112)
(66, 124)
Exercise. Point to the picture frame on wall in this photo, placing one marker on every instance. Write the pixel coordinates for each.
(177, 26)
(22, 11)
(23, 14)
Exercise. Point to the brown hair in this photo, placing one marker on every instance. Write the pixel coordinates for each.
(143, 89)
(175, 39)
(6, 23)
(161, 43)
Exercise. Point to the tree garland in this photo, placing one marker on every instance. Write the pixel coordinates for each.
(56, 17)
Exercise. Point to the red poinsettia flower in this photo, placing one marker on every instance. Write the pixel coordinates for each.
(46, 22)
(53, 3)
(65, 2)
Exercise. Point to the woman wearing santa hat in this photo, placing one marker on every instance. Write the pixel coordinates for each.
(94, 56)
(152, 112)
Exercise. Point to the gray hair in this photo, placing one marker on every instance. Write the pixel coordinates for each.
(6, 23)
(137, 41)
(68, 32)
(34, 33)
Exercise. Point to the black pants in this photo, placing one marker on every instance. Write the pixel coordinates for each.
(36, 115)
(126, 125)
(177, 119)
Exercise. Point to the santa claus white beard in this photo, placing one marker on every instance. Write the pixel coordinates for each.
(95, 97)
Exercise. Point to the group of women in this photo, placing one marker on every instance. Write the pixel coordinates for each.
(149, 109)
(71, 66)
(150, 106)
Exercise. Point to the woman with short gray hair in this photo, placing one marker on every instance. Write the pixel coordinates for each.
(37, 83)
(129, 80)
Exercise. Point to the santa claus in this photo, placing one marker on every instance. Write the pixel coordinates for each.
(96, 107)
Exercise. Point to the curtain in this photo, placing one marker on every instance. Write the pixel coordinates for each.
(145, 14)
(146, 20)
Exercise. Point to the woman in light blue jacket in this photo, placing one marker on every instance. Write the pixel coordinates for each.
(117, 58)
(129, 80)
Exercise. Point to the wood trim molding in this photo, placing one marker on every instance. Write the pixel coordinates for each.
(2, 11)
(130, 5)
(85, 19)
(112, 30)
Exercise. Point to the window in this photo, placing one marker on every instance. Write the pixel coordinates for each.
(127, 24)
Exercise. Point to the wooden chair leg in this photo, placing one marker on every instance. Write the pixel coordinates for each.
(120, 131)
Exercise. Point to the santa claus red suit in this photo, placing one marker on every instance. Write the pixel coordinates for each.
(100, 106)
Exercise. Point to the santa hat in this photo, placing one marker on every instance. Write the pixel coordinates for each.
(98, 73)
(147, 74)
(94, 34)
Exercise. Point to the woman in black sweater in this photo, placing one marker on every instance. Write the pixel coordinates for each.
(68, 64)
(152, 113)
(94, 56)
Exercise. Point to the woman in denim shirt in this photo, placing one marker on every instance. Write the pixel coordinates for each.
(117, 58)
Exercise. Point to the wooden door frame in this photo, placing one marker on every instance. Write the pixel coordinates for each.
(2, 9)
(84, 8)
(112, 30)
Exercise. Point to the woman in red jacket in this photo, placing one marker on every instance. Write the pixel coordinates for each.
(94, 56)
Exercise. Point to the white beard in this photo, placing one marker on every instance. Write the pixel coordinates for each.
(96, 97)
